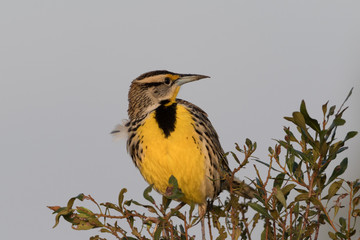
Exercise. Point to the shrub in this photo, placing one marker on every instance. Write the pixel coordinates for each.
(294, 199)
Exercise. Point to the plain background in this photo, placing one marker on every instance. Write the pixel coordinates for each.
(66, 66)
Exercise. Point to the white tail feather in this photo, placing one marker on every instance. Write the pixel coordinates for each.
(120, 131)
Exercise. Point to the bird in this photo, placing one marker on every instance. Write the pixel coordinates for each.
(168, 136)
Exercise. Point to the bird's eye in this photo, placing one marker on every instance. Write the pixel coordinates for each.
(167, 81)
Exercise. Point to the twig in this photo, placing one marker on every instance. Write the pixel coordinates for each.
(318, 226)
(291, 176)
(109, 216)
(93, 200)
(327, 215)
(267, 229)
(172, 211)
(186, 228)
(269, 171)
(291, 222)
(246, 225)
(284, 225)
(350, 201)
(209, 223)
(274, 222)
(310, 187)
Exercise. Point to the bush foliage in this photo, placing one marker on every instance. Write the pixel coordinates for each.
(295, 198)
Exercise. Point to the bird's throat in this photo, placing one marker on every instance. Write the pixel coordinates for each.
(173, 98)
(165, 116)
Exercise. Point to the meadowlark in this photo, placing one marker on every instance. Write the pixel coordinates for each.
(170, 136)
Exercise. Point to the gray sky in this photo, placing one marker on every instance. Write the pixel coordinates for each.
(66, 66)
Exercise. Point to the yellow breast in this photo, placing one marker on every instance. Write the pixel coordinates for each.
(179, 154)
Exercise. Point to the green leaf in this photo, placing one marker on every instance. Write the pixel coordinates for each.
(356, 186)
(95, 222)
(296, 209)
(334, 150)
(302, 197)
(248, 143)
(128, 202)
(146, 194)
(182, 230)
(299, 120)
(338, 170)
(266, 164)
(323, 218)
(315, 201)
(158, 232)
(235, 157)
(166, 202)
(111, 206)
(129, 238)
(289, 135)
(350, 135)
(301, 190)
(347, 97)
(173, 182)
(137, 203)
(121, 197)
(313, 123)
(105, 230)
(86, 219)
(222, 233)
(338, 122)
(332, 235)
(192, 207)
(320, 183)
(83, 225)
(275, 214)
(356, 213)
(290, 119)
(290, 163)
(85, 212)
(286, 189)
(66, 212)
(173, 191)
(151, 209)
(271, 151)
(324, 147)
(256, 219)
(331, 111)
(324, 108)
(260, 209)
(298, 173)
(356, 201)
(342, 222)
(56, 209)
(72, 200)
(279, 180)
(280, 196)
(334, 188)
(336, 210)
(237, 147)
(97, 237)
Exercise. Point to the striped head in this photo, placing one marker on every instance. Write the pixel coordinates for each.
(151, 89)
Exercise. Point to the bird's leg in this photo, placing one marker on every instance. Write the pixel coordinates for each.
(202, 211)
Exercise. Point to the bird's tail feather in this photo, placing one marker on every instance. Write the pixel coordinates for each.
(121, 130)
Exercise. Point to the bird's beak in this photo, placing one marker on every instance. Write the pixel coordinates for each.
(185, 78)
